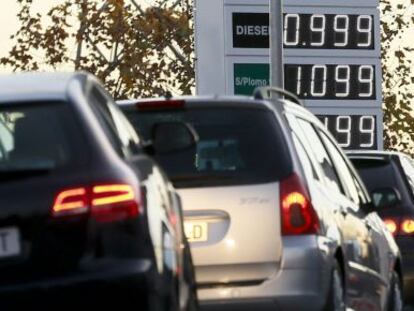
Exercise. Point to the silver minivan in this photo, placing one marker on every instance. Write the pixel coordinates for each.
(276, 215)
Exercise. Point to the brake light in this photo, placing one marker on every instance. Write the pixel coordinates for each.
(407, 226)
(71, 201)
(298, 215)
(391, 225)
(161, 104)
(105, 203)
(113, 202)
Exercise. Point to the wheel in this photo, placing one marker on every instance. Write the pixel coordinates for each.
(173, 301)
(336, 296)
(395, 299)
(189, 275)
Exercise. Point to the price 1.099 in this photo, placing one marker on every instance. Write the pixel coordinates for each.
(331, 81)
(352, 132)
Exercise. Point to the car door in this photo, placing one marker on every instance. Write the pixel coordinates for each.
(158, 206)
(347, 214)
(366, 238)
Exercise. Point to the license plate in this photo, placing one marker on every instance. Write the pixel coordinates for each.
(196, 231)
(9, 242)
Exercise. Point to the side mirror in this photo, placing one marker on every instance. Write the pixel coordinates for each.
(170, 137)
(385, 197)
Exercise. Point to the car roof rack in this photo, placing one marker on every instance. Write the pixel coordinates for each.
(264, 92)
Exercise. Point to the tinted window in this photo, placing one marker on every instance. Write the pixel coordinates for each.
(343, 169)
(408, 168)
(236, 146)
(302, 147)
(38, 136)
(321, 156)
(304, 160)
(371, 169)
(118, 130)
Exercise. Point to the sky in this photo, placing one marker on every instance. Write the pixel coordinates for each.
(9, 23)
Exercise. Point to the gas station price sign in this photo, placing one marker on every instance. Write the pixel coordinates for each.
(308, 31)
(331, 59)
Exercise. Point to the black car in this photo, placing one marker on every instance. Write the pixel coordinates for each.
(84, 211)
(389, 176)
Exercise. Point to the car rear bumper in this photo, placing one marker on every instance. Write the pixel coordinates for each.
(406, 245)
(300, 284)
(408, 276)
(103, 273)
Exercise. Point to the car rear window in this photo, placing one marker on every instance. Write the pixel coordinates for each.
(236, 146)
(376, 173)
(37, 136)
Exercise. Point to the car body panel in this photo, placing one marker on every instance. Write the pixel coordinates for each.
(228, 256)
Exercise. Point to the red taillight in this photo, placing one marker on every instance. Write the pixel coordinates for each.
(391, 225)
(71, 201)
(161, 104)
(106, 202)
(113, 202)
(298, 215)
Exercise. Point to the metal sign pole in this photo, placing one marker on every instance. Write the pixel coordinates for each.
(276, 43)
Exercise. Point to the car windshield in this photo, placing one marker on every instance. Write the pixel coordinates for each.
(35, 137)
(236, 146)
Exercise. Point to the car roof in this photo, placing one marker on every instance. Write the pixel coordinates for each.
(204, 101)
(32, 86)
(377, 155)
(223, 102)
(374, 154)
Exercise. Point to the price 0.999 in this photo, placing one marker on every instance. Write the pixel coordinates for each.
(329, 31)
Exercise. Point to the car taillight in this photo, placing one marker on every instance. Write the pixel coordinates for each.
(407, 227)
(71, 201)
(113, 202)
(297, 213)
(391, 225)
(105, 202)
